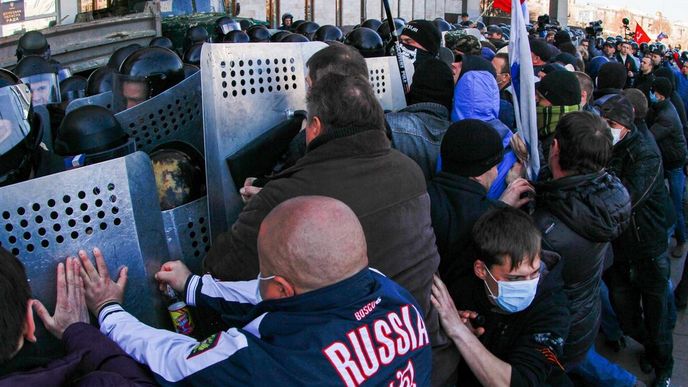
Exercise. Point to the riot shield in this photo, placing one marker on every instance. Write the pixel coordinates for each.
(102, 99)
(386, 82)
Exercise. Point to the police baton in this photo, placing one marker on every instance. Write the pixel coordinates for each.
(397, 48)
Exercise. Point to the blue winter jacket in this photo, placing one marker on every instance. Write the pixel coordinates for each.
(364, 330)
(476, 96)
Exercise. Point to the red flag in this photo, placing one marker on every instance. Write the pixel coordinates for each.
(640, 35)
(504, 5)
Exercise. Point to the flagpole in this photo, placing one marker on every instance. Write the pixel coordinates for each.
(489, 5)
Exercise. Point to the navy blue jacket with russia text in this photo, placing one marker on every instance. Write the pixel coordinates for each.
(364, 330)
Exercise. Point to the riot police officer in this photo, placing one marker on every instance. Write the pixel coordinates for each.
(41, 76)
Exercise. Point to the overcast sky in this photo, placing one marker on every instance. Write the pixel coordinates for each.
(673, 9)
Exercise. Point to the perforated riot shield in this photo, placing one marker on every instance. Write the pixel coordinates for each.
(187, 233)
(247, 89)
(111, 205)
(386, 82)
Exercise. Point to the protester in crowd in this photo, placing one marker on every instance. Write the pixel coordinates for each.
(625, 56)
(346, 142)
(609, 51)
(465, 20)
(540, 52)
(586, 87)
(300, 311)
(579, 212)
(557, 94)
(503, 76)
(645, 76)
(511, 316)
(668, 132)
(611, 79)
(675, 98)
(471, 151)
(583, 50)
(640, 272)
(476, 96)
(417, 129)
(495, 35)
(91, 358)
(420, 40)
(681, 75)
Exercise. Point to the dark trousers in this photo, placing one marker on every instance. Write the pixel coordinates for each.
(639, 296)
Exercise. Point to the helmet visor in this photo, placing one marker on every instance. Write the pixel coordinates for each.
(15, 102)
(45, 88)
(228, 27)
(128, 91)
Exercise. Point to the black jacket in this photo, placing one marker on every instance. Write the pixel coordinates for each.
(668, 132)
(532, 340)
(456, 204)
(644, 83)
(579, 216)
(638, 164)
(384, 188)
(630, 66)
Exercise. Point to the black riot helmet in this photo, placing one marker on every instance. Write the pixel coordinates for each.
(41, 76)
(295, 25)
(442, 24)
(162, 41)
(366, 41)
(144, 74)
(287, 16)
(307, 29)
(236, 37)
(373, 24)
(294, 38)
(121, 54)
(100, 81)
(195, 34)
(72, 88)
(33, 43)
(258, 34)
(90, 134)
(279, 35)
(8, 78)
(179, 174)
(193, 54)
(328, 33)
(20, 133)
(245, 24)
(383, 30)
(190, 70)
(224, 25)
(643, 47)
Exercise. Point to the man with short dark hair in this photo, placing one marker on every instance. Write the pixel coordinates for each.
(315, 314)
(609, 50)
(503, 76)
(580, 211)
(495, 36)
(645, 76)
(348, 157)
(625, 56)
(91, 358)
(512, 316)
(586, 87)
(640, 273)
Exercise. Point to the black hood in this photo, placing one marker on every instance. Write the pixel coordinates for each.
(595, 206)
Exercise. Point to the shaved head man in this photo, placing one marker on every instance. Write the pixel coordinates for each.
(307, 243)
(315, 313)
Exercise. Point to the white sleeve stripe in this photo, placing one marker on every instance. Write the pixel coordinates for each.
(254, 326)
(237, 291)
(108, 310)
(191, 290)
(165, 352)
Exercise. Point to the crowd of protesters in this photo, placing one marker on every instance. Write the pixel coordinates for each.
(411, 247)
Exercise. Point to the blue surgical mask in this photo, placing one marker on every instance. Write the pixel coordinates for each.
(259, 297)
(653, 98)
(514, 296)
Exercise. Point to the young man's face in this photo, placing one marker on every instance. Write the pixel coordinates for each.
(287, 22)
(527, 270)
(134, 93)
(656, 59)
(684, 69)
(645, 65)
(609, 50)
(626, 49)
(585, 45)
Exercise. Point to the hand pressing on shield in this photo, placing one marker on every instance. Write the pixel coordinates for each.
(454, 322)
(175, 274)
(248, 190)
(70, 306)
(99, 287)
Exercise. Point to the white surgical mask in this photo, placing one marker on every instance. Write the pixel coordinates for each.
(514, 296)
(259, 297)
(616, 135)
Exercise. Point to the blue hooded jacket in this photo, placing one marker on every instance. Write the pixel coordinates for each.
(476, 96)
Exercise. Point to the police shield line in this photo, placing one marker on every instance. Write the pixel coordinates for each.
(283, 201)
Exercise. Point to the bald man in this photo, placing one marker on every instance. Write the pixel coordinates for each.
(317, 315)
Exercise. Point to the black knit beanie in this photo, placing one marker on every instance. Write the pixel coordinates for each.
(663, 86)
(470, 148)
(425, 33)
(432, 82)
(612, 75)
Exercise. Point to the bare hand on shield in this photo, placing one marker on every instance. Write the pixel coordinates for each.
(70, 306)
(173, 273)
(99, 287)
(248, 190)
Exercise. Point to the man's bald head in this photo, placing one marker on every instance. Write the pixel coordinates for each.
(312, 241)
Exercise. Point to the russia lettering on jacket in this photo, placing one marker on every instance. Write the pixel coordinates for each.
(376, 344)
